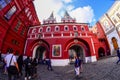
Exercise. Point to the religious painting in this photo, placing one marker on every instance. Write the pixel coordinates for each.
(56, 51)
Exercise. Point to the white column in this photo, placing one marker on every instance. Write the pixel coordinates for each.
(43, 35)
(52, 34)
(93, 46)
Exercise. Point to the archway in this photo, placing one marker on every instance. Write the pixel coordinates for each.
(76, 50)
(40, 52)
(101, 52)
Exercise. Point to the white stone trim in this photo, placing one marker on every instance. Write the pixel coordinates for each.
(93, 45)
(90, 59)
(60, 62)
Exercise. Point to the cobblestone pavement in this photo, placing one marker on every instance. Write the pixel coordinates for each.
(104, 69)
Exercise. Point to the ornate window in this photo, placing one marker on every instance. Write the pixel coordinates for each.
(15, 42)
(28, 14)
(23, 31)
(26, 10)
(17, 26)
(114, 20)
(82, 28)
(10, 12)
(40, 29)
(30, 18)
(48, 29)
(66, 28)
(57, 28)
(34, 30)
(75, 28)
(118, 15)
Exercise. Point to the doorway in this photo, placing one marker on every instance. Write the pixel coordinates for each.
(76, 50)
(101, 52)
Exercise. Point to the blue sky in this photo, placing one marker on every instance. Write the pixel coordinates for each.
(85, 11)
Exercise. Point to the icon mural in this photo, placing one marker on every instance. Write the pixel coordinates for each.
(56, 51)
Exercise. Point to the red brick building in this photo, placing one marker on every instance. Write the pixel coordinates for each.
(16, 16)
(63, 41)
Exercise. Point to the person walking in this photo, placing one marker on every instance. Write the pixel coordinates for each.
(118, 55)
(34, 67)
(20, 64)
(27, 64)
(49, 66)
(10, 60)
(4, 65)
(77, 71)
(80, 65)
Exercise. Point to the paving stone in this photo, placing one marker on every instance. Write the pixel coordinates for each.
(104, 69)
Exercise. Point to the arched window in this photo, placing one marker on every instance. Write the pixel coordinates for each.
(48, 29)
(40, 29)
(66, 28)
(57, 28)
(82, 28)
(34, 30)
(75, 28)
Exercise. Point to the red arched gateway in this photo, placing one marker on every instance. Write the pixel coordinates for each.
(62, 41)
(80, 47)
(32, 48)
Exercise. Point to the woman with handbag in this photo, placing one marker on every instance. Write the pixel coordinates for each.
(12, 65)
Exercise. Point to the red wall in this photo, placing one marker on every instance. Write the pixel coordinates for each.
(7, 27)
(86, 42)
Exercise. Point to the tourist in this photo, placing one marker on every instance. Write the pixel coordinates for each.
(80, 65)
(20, 64)
(34, 67)
(77, 71)
(27, 64)
(49, 66)
(10, 60)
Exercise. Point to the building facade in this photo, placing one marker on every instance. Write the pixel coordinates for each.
(63, 41)
(98, 30)
(16, 16)
(110, 22)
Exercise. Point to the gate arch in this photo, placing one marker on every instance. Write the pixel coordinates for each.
(82, 44)
(76, 50)
(40, 47)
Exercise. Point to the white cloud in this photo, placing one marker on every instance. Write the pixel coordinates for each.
(83, 14)
(45, 7)
(70, 7)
